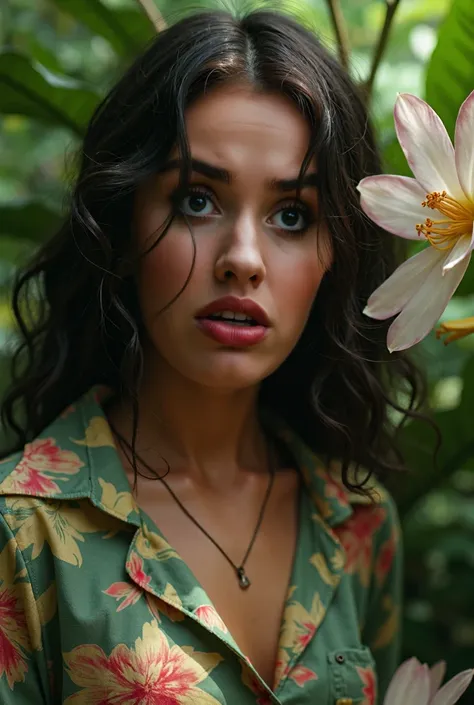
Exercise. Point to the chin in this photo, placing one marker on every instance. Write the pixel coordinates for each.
(232, 371)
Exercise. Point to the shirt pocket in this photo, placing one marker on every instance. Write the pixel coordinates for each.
(352, 676)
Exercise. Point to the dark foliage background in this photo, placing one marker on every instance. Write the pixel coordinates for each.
(57, 57)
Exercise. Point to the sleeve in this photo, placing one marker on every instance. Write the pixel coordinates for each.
(23, 674)
(382, 629)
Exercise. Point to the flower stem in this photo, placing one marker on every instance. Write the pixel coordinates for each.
(340, 30)
(153, 14)
(391, 7)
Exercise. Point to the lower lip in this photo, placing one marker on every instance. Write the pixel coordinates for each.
(231, 334)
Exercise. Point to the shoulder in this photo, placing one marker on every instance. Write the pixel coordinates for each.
(56, 464)
(374, 513)
(371, 535)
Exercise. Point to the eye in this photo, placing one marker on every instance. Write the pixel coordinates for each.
(293, 218)
(197, 204)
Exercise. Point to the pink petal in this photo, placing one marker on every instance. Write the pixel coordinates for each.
(426, 306)
(394, 294)
(437, 673)
(301, 675)
(461, 249)
(426, 145)
(410, 685)
(394, 203)
(464, 140)
(453, 689)
(119, 590)
(403, 675)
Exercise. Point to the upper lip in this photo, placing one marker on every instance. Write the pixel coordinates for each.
(236, 305)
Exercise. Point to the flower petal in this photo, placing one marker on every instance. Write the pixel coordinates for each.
(453, 689)
(461, 249)
(403, 676)
(410, 685)
(394, 203)
(464, 146)
(393, 295)
(437, 673)
(426, 306)
(426, 145)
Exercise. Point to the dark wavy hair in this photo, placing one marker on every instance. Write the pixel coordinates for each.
(339, 386)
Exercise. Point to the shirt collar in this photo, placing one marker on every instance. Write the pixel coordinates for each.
(333, 501)
(73, 458)
(89, 467)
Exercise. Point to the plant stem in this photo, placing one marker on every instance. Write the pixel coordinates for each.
(391, 7)
(340, 30)
(153, 14)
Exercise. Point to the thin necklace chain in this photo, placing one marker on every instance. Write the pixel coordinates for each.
(242, 577)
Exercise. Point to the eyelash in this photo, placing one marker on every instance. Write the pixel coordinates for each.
(303, 209)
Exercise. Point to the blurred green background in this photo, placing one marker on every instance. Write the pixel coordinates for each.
(57, 57)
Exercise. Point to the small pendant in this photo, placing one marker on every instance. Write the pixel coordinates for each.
(244, 582)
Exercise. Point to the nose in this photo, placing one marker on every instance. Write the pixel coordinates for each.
(240, 257)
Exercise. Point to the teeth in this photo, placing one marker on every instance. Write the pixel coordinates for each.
(228, 314)
(232, 316)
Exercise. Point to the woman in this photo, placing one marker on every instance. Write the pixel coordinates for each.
(200, 341)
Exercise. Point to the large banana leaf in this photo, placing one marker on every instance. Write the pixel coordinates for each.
(127, 30)
(28, 88)
(450, 74)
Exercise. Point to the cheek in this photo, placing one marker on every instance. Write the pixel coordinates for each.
(165, 270)
(298, 286)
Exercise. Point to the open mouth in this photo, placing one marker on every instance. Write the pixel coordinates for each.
(236, 319)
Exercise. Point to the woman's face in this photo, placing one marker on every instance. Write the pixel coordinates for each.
(255, 242)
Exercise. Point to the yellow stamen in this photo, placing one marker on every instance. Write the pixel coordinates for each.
(443, 234)
(455, 330)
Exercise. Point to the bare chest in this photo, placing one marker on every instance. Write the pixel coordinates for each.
(253, 616)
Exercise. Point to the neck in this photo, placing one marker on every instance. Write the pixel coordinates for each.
(197, 431)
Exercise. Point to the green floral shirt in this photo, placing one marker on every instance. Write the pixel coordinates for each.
(96, 608)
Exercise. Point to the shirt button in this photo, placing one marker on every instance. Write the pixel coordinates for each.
(340, 659)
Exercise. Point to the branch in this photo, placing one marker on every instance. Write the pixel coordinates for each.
(153, 14)
(340, 30)
(391, 7)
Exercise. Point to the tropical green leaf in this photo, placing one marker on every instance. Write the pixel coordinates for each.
(26, 220)
(466, 287)
(394, 161)
(127, 30)
(450, 74)
(428, 471)
(28, 88)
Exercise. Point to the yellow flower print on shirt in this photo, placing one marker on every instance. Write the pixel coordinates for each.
(152, 673)
(122, 504)
(299, 625)
(151, 545)
(59, 524)
(98, 434)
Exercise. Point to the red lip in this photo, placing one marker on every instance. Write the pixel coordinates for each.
(229, 334)
(232, 303)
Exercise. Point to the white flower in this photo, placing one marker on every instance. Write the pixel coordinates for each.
(419, 290)
(415, 684)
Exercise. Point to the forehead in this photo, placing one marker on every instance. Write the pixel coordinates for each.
(238, 127)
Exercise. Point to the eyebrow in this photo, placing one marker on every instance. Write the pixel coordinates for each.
(219, 174)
